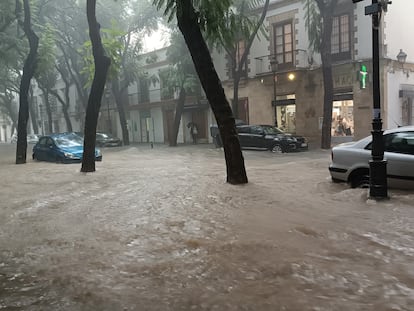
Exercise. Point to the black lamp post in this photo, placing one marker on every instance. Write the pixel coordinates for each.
(274, 66)
(378, 188)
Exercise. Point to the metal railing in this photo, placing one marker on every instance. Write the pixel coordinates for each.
(300, 60)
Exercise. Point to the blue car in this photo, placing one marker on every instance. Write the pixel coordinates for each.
(61, 148)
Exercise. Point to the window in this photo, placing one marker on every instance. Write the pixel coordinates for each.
(400, 142)
(257, 130)
(340, 40)
(283, 44)
(143, 93)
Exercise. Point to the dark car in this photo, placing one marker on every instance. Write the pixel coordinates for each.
(268, 137)
(215, 133)
(61, 148)
(107, 140)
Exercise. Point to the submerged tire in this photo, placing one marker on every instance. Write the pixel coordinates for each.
(277, 149)
(360, 180)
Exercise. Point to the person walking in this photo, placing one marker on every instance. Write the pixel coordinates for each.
(193, 131)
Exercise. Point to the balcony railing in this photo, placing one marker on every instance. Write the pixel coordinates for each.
(301, 60)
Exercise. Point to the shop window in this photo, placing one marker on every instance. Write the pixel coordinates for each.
(343, 118)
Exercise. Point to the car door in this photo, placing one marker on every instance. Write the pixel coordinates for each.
(257, 137)
(244, 136)
(50, 150)
(399, 153)
(41, 149)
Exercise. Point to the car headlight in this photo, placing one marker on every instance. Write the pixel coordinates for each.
(69, 155)
(276, 139)
(98, 153)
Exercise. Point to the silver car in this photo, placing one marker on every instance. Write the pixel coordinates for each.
(350, 161)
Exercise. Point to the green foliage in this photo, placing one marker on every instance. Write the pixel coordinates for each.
(210, 12)
(112, 43)
(181, 72)
(46, 51)
(313, 24)
(239, 22)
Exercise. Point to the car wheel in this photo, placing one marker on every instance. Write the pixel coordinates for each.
(360, 180)
(277, 149)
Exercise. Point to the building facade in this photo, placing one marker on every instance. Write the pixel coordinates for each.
(289, 93)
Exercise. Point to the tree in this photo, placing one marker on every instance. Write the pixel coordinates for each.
(190, 24)
(102, 63)
(28, 72)
(319, 24)
(181, 77)
(236, 35)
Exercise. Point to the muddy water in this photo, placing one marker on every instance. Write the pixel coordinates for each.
(159, 229)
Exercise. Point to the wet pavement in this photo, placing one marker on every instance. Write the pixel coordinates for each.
(159, 229)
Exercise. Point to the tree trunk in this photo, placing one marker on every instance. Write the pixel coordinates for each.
(236, 81)
(326, 57)
(65, 107)
(119, 94)
(102, 64)
(47, 107)
(188, 24)
(28, 72)
(33, 114)
(179, 108)
(238, 68)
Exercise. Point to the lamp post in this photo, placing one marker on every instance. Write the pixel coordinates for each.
(274, 66)
(378, 188)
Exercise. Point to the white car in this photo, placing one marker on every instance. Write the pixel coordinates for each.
(350, 161)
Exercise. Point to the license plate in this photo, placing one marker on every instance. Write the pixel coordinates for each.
(304, 145)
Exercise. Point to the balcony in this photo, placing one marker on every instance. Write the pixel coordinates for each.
(301, 60)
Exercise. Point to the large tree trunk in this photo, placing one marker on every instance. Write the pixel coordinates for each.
(188, 24)
(179, 108)
(102, 63)
(326, 57)
(28, 72)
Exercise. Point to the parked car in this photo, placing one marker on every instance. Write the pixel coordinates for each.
(268, 137)
(104, 140)
(107, 140)
(61, 148)
(33, 138)
(215, 133)
(350, 161)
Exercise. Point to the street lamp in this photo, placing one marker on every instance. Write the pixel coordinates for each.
(274, 65)
(401, 57)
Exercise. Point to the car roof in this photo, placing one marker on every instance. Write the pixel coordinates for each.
(407, 128)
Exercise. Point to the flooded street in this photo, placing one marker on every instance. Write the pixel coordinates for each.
(159, 229)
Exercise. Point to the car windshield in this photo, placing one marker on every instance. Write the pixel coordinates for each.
(272, 130)
(69, 141)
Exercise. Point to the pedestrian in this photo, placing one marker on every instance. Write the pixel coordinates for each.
(193, 131)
